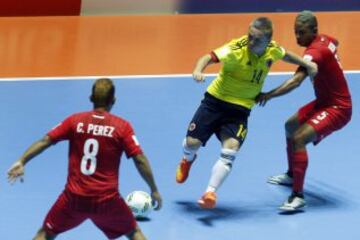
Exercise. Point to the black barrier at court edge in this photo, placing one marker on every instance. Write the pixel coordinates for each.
(238, 6)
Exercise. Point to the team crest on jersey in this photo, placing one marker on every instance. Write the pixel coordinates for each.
(269, 62)
(192, 126)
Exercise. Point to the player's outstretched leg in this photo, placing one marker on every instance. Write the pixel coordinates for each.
(291, 125)
(42, 235)
(220, 171)
(190, 147)
(302, 136)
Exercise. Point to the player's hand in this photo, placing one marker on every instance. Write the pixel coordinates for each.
(157, 201)
(198, 76)
(16, 171)
(262, 99)
(312, 70)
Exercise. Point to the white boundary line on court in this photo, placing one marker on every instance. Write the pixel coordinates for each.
(131, 76)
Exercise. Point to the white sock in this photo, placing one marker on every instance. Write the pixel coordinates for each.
(189, 153)
(221, 169)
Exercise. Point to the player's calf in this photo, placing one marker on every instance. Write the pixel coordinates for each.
(190, 147)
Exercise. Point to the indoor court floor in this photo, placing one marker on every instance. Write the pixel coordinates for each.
(160, 108)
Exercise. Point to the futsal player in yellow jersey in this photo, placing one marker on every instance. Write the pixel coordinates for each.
(229, 98)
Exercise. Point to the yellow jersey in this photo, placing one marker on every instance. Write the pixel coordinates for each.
(242, 75)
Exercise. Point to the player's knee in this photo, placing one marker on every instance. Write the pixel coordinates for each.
(298, 140)
(290, 127)
(192, 143)
(231, 144)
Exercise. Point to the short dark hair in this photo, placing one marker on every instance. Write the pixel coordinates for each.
(308, 18)
(103, 92)
(263, 24)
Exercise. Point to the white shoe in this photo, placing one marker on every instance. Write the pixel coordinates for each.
(282, 179)
(293, 203)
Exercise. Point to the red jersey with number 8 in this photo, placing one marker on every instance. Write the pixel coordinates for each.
(97, 140)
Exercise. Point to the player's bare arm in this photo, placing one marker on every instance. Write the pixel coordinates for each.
(17, 169)
(286, 87)
(143, 166)
(311, 67)
(200, 66)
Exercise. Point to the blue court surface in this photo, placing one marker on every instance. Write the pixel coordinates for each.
(160, 109)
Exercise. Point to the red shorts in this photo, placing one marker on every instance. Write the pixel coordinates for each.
(324, 120)
(113, 217)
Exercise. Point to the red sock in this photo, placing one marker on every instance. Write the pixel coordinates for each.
(289, 150)
(300, 163)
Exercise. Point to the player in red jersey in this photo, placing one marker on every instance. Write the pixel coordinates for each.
(97, 140)
(329, 112)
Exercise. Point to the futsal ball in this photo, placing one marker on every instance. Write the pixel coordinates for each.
(140, 203)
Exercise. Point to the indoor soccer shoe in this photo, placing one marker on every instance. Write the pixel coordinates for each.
(182, 172)
(282, 179)
(293, 203)
(208, 200)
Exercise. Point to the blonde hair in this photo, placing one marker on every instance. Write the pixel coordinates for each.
(263, 24)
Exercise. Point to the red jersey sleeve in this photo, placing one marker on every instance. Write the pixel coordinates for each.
(131, 144)
(62, 131)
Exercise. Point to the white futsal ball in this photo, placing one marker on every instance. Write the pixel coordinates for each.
(140, 203)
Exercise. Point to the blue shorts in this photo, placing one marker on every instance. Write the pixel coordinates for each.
(219, 117)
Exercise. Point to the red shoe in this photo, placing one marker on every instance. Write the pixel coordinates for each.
(182, 172)
(208, 200)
